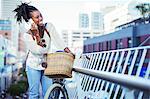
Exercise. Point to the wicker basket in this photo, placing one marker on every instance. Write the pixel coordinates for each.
(59, 65)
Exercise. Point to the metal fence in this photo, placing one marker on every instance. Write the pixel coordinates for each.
(116, 74)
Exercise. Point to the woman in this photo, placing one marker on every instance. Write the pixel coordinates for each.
(38, 41)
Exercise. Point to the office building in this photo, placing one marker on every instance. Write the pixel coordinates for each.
(6, 13)
(5, 28)
(91, 21)
(65, 37)
(121, 15)
(83, 20)
(96, 21)
(125, 37)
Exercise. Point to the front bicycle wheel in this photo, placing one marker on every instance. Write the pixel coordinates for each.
(56, 91)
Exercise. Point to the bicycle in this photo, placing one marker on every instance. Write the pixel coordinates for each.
(61, 69)
(57, 90)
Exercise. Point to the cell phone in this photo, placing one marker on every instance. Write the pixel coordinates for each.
(31, 22)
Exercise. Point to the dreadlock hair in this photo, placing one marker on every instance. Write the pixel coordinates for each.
(23, 12)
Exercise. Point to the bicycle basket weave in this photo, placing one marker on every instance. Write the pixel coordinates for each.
(59, 65)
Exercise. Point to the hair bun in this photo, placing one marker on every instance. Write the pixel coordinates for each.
(23, 12)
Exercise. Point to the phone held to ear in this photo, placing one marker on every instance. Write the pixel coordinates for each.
(35, 34)
(33, 26)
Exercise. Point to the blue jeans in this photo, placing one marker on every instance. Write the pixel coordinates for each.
(35, 78)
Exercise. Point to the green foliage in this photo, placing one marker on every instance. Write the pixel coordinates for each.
(18, 88)
(144, 9)
(22, 72)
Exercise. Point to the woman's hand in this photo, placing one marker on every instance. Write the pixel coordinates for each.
(34, 29)
(67, 50)
(34, 26)
(35, 32)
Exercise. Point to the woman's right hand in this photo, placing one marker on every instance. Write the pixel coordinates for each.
(35, 32)
(34, 27)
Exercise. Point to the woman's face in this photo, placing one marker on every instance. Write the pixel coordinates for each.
(37, 17)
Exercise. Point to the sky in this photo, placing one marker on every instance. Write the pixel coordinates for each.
(64, 14)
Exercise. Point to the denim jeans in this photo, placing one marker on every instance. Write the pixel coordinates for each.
(35, 79)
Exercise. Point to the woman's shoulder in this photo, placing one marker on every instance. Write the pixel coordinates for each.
(27, 36)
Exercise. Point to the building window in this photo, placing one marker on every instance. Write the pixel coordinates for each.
(109, 45)
(102, 46)
(5, 27)
(138, 42)
(84, 49)
(76, 36)
(86, 37)
(86, 32)
(129, 42)
(76, 32)
(99, 47)
(95, 47)
(119, 44)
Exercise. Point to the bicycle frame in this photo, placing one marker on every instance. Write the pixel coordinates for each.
(54, 91)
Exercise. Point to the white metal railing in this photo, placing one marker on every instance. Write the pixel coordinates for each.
(115, 74)
(125, 80)
(145, 41)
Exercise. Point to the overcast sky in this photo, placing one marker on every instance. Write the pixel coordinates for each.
(64, 14)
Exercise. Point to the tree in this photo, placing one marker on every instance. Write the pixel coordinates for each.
(144, 9)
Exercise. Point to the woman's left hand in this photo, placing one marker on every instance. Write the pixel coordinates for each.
(67, 50)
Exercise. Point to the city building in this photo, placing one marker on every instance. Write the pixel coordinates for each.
(120, 15)
(97, 21)
(65, 37)
(90, 25)
(78, 36)
(5, 28)
(83, 20)
(132, 34)
(6, 13)
(2, 53)
(21, 43)
(7, 8)
(91, 21)
(7, 62)
(5, 41)
(9, 31)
